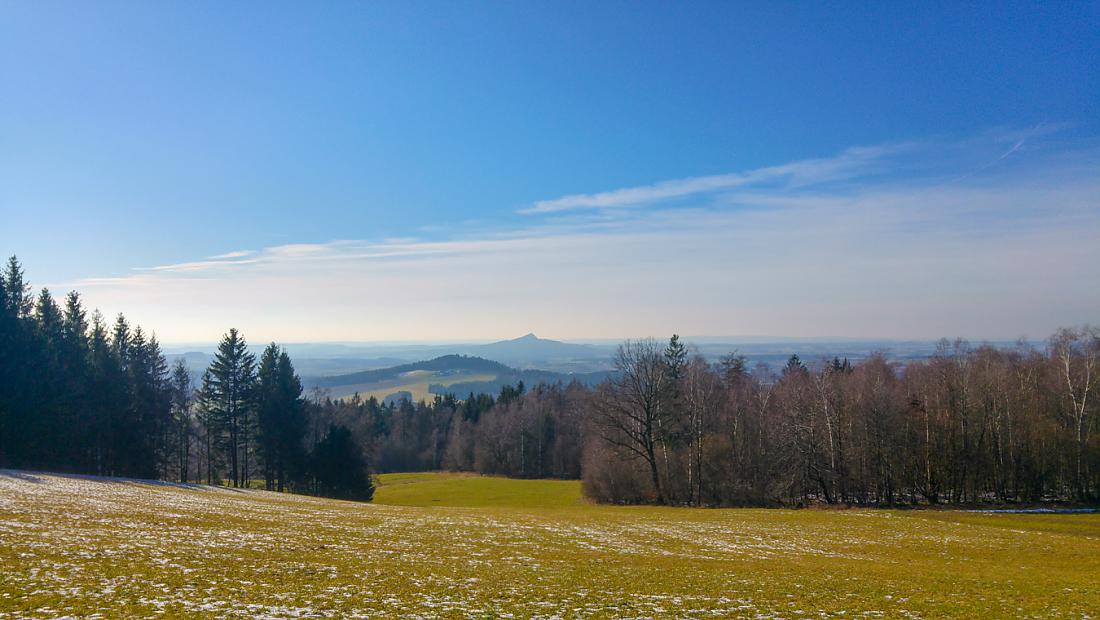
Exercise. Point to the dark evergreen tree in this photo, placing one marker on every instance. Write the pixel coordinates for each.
(16, 350)
(340, 468)
(150, 411)
(18, 300)
(508, 394)
(182, 397)
(675, 357)
(281, 417)
(7, 359)
(841, 366)
(107, 390)
(227, 397)
(44, 425)
(206, 399)
(75, 357)
(794, 365)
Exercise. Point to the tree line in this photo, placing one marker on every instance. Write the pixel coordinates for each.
(536, 433)
(78, 395)
(970, 424)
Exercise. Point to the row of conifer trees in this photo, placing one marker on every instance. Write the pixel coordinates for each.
(80, 395)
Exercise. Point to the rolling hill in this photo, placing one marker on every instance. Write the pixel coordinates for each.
(457, 374)
(531, 351)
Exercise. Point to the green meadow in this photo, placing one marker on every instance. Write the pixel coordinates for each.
(415, 382)
(457, 546)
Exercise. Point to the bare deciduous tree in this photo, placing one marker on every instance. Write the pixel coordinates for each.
(632, 409)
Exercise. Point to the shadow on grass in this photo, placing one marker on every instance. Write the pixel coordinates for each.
(36, 477)
(20, 475)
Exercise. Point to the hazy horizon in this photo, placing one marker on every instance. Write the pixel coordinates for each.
(689, 339)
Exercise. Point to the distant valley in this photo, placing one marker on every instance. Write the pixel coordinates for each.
(419, 371)
(456, 374)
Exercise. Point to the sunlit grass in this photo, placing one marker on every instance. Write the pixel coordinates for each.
(470, 490)
(440, 545)
(415, 384)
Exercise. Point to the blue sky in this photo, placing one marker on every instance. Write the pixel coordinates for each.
(406, 171)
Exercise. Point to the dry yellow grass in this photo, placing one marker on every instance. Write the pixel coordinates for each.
(416, 384)
(81, 547)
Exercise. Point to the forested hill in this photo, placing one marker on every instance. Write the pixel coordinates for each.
(515, 377)
(443, 363)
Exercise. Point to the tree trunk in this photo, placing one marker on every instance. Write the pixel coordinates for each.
(651, 457)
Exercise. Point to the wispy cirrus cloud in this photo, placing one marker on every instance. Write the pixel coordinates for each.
(922, 159)
(851, 163)
(236, 254)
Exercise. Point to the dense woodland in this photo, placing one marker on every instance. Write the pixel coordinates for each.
(972, 424)
(969, 425)
(80, 395)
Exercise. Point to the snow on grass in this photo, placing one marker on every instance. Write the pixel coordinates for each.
(81, 546)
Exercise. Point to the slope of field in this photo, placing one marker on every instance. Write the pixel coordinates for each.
(472, 490)
(457, 374)
(74, 546)
(416, 383)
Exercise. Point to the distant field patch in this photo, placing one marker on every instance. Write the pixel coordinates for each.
(415, 382)
(417, 373)
(459, 546)
(469, 490)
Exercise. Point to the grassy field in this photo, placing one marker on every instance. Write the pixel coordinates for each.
(472, 490)
(437, 545)
(415, 382)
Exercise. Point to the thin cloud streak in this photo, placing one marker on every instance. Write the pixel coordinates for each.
(237, 254)
(850, 163)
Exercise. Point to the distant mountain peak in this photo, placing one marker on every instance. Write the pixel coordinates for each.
(528, 338)
(523, 351)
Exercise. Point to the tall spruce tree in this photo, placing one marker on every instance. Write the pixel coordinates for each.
(6, 361)
(106, 392)
(281, 417)
(673, 424)
(43, 427)
(228, 394)
(794, 366)
(205, 399)
(182, 397)
(18, 301)
(150, 406)
(16, 350)
(75, 359)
